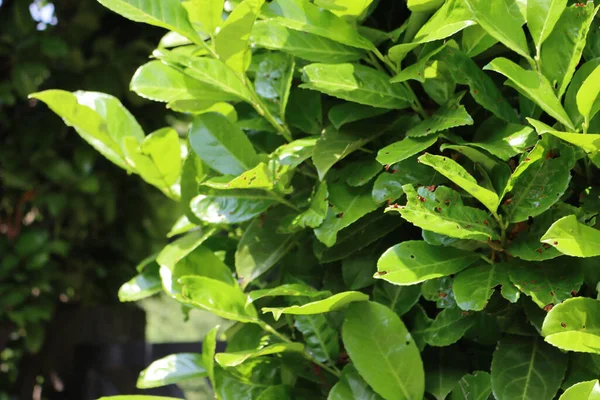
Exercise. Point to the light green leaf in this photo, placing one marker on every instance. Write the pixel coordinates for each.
(457, 174)
(348, 205)
(383, 352)
(271, 35)
(477, 386)
(168, 14)
(415, 261)
(562, 50)
(416, 71)
(208, 14)
(449, 116)
(571, 237)
(587, 96)
(288, 289)
(157, 159)
(230, 206)
(526, 368)
(448, 327)
(574, 325)
(345, 113)
(582, 391)
(404, 149)
(300, 15)
(321, 338)
(547, 283)
(137, 397)
(259, 177)
(351, 386)
(479, 158)
(590, 143)
(475, 40)
(159, 82)
(424, 5)
(542, 16)
(231, 42)
(481, 87)
(356, 83)
(145, 284)
(294, 153)
(317, 211)
(261, 247)
(171, 369)
(582, 73)
(100, 119)
(533, 86)
(273, 80)
(335, 302)
(348, 9)
(474, 286)
(501, 20)
(208, 70)
(442, 211)
(217, 297)
(502, 139)
(237, 358)
(452, 17)
(209, 347)
(221, 145)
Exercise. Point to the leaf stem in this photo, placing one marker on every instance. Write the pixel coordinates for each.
(331, 369)
(283, 201)
(263, 111)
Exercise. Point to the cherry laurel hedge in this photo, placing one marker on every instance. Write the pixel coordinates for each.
(399, 213)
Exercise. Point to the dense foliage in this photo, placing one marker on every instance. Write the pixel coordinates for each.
(378, 214)
(72, 226)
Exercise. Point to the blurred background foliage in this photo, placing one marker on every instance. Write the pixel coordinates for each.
(70, 231)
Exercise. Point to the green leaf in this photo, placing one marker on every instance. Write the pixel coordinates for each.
(294, 153)
(475, 40)
(230, 206)
(477, 386)
(449, 116)
(502, 20)
(533, 86)
(571, 237)
(273, 81)
(231, 41)
(345, 113)
(562, 50)
(271, 35)
(143, 285)
(479, 158)
(415, 261)
(362, 172)
(542, 16)
(237, 358)
(452, 17)
(383, 352)
(208, 70)
(208, 14)
(137, 397)
(335, 302)
(404, 149)
(574, 325)
(259, 177)
(589, 143)
(424, 5)
(217, 297)
(502, 139)
(351, 386)
(349, 204)
(442, 211)
(320, 337)
(209, 346)
(288, 289)
(171, 369)
(157, 159)
(300, 15)
(356, 83)
(526, 368)
(474, 286)
(168, 14)
(400, 299)
(582, 391)
(159, 82)
(304, 111)
(547, 283)
(540, 183)
(481, 87)
(348, 9)
(261, 247)
(444, 367)
(317, 211)
(221, 145)
(357, 272)
(100, 119)
(448, 327)
(587, 96)
(439, 84)
(416, 71)
(457, 174)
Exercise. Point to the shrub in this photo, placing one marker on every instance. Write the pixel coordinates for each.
(392, 235)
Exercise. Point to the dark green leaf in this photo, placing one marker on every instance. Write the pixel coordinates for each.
(351, 386)
(321, 338)
(477, 386)
(448, 327)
